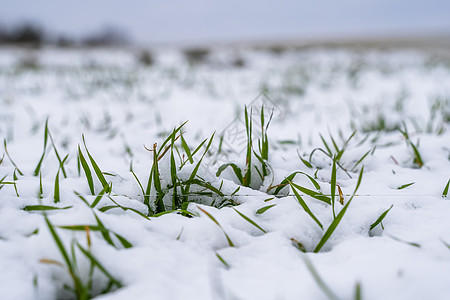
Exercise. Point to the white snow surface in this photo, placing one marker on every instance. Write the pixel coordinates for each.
(119, 104)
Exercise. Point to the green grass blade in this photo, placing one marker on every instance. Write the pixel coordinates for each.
(305, 207)
(323, 286)
(97, 170)
(236, 169)
(249, 220)
(186, 149)
(333, 185)
(264, 209)
(59, 244)
(445, 192)
(95, 262)
(10, 159)
(331, 228)
(87, 171)
(98, 198)
(358, 291)
(230, 243)
(326, 145)
(405, 186)
(313, 194)
(380, 218)
(222, 261)
(43, 208)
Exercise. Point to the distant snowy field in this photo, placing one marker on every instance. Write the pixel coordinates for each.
(81, 227)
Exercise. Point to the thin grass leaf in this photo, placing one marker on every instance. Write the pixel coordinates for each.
(445, 192)
(358, 291)
(313, 194)
(227, 266)
(404, 242)
(39, 165)
(57, 154)
(41, 190)
(236, 169)
(230, 243)
(43, 208)
(264, 209)
(326, 145)
(333, 185)
(417, 157)
(59, 244)
(10, 159)
(380, 218)
(99, 266)
(98, 198)
(235, 191)
(291, 177)
(56, 195)
(186, 149)
(405, 186)
(304, 161)
(323, 286)
(87, 171)
(97, 170)
(360, 160)
(249, 220)
(338, 218)
(305, 206)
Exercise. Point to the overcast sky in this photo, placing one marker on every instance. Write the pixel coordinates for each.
(183, 21)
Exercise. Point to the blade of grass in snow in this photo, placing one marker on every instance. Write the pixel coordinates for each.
(57, 154)
(10, 159)
(236, 169)
(40, 194)
(38, 167)
(323, 286)
(380, 218)
(98, 198)
(313, 194)
(358, 291)
(230, 243)
(137, 179)
(249, 220)
(405, 186)
(87, 171)
(125, 243)
(56, 196)
(95, 262)
(338, 218)
(289, 179)
(264, 209)
(404, 242)
(304, 161)
(305, 206)
(227, 266)
(333, 185)
(43, 208)
(445, 192)
(97, 170)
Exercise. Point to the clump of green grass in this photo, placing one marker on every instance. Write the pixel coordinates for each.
(83, 285)
(244, 176)
(179, 187)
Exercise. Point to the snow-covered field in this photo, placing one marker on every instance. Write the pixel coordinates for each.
(80, 218)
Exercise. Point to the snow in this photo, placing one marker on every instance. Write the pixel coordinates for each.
(116, 103)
